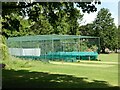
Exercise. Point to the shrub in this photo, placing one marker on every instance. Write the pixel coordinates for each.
(3, 49)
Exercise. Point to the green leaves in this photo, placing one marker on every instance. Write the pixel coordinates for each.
(43, 17)
(105, 28)
(42, 27)
(14, 25)
(4, 54)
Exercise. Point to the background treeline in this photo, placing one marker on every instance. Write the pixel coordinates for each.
(39, 18)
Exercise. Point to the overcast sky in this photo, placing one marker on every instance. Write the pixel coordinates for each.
(112, 5)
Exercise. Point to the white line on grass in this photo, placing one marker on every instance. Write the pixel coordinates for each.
(101, 62)
(75, 64)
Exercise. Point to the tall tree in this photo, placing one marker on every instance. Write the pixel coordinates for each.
(61, 25)
(104, 27)
(66, 24)
(62, 16)
(73, 21)
(119, 37)
(86, 30)
(15, 25)
(8, 7)
(42, 26)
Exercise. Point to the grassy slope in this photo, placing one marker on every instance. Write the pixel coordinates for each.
(71, 76)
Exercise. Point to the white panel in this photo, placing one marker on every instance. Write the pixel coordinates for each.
(31, 52)
(15, 51)
(25, 51)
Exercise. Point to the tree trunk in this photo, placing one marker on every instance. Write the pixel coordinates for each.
(103, 50)
(116, 51)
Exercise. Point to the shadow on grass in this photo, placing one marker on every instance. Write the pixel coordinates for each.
(26, 79)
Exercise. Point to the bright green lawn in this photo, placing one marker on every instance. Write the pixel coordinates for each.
(109, 57)
(36, 74)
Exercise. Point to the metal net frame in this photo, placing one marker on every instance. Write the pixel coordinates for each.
(53, 47)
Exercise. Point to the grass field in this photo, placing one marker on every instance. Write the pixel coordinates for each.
(84, 74)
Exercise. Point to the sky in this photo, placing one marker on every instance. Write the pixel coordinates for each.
(112, 5)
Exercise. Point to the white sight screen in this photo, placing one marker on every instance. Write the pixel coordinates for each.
(25, 51)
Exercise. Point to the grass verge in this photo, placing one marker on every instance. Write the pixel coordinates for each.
(36, 74)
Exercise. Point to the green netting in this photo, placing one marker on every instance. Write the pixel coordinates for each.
(55, 44)
(47, 37)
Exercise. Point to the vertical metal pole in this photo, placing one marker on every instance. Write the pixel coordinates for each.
(80, 44)
(89, 58)
(99, 47)
(45, 49)
(21, 51)
(99, 44)
(38, 46)
(52, 49)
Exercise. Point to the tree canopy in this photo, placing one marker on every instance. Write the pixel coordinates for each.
(43, 17)
(39, 18)
(104, 27)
